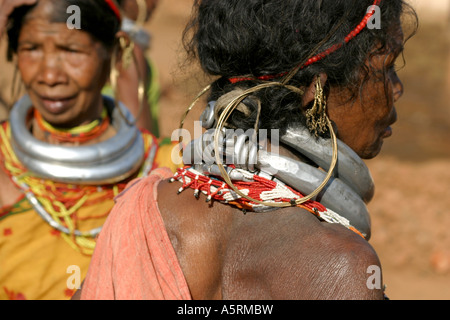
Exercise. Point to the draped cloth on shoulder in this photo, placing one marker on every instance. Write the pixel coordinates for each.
(134, 258)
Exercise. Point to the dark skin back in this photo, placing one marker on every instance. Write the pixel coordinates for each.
(286, 254)
(283, 254)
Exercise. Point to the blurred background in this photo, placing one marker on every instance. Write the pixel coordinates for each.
(410, 210)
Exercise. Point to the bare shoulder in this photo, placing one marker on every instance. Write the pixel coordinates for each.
(350, 263)
(198, 231)
(290, 254)
(282, 254)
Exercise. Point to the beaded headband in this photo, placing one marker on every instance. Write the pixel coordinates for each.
(319, 56)
(112, 5)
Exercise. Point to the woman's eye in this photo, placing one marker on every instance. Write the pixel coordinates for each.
(28, 48)
(71, 50)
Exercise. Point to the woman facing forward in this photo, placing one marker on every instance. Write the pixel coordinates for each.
(66, 150)
(304, 91)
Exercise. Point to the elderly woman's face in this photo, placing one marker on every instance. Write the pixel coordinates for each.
(364, 123)
(63, 69)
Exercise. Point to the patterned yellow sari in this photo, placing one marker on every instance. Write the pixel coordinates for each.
(37, 261)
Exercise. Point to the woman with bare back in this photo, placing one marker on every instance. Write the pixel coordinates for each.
(271, 203)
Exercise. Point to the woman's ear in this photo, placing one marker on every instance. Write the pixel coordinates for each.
(309, 94)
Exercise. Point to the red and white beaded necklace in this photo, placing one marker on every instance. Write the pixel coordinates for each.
(255, 186)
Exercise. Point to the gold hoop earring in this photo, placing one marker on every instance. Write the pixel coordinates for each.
(316, 117)
(142, 12)
(127, 49)
(222, 119)
(127, 52)
(183, 117)
(193, 103)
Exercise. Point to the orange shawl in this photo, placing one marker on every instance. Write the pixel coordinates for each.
(134, 258)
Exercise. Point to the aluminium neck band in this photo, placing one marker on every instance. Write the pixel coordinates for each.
(347, 193)
(106, 162)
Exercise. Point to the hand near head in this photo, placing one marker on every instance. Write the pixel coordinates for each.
(7, 7)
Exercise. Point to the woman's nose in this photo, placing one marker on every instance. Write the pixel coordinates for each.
(51, 72)
(397, 86)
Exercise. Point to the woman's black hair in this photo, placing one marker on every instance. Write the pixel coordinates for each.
(268, 37)
(97, 19)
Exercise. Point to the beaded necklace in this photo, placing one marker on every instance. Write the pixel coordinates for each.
(78, 134)
(62, 201)
(255, 186)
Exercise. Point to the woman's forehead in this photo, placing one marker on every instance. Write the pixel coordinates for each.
(397, 37)
(38, 28)
(44, 9)
(394, 43)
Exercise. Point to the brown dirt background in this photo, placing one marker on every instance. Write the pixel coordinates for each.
(410, 210)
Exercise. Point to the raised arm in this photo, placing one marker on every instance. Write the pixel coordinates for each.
(7, 7)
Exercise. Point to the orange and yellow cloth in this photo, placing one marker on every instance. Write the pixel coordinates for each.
(36, 260)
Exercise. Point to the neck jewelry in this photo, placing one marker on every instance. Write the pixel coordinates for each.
(56, 200)
(105, 162)
(341, 188)
(344, 194)
(79, 134)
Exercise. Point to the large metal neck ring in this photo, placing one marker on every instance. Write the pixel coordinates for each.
(107, 162)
